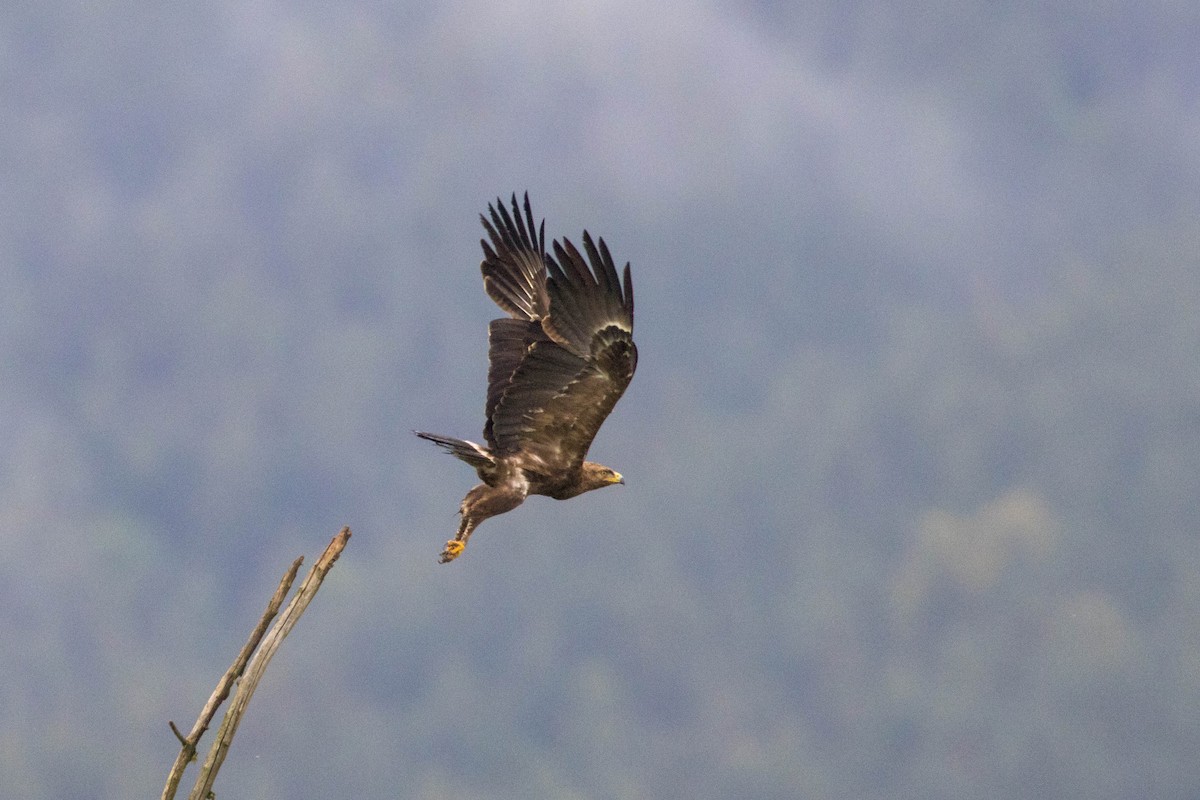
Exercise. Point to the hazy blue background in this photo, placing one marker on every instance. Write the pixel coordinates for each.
(912, 455)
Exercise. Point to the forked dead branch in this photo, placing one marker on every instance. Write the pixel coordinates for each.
(246, 671)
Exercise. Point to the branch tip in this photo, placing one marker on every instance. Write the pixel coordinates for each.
(182, 739)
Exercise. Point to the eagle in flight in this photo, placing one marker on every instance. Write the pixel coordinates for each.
(556, 367)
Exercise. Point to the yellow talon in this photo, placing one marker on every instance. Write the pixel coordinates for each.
(453, 548)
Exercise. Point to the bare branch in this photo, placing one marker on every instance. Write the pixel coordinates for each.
(247, 670)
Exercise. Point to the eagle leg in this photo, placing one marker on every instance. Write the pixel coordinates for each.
(455, 546)
(480, 503)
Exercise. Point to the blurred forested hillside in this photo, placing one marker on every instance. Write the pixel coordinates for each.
(912, 453)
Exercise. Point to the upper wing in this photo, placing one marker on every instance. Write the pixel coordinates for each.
(571, 376)
(584, 302)
(514, 272)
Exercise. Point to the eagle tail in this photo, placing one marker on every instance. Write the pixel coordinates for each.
(475, 455)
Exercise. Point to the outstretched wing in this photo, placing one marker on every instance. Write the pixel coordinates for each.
(584, 302)
(514, 271)
(571, 375)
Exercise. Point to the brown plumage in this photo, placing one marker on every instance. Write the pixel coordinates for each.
(556, 367)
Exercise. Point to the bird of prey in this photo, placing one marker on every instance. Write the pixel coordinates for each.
(557, 364)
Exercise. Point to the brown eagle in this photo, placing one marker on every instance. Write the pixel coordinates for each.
(556, 367)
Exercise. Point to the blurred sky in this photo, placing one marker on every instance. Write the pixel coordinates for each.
(238, 264)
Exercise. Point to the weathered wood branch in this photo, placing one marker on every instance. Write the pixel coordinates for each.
(246, 671)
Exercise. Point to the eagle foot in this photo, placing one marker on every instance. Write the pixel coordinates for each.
(454, 548)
